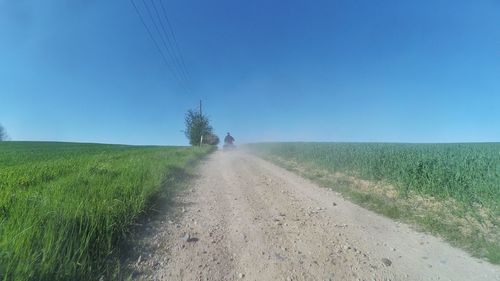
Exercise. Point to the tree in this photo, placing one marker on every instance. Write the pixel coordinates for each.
(3, 133)
(211, 139)
(198, 126)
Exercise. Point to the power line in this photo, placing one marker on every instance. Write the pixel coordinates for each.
(169, 51)
(176, 44)
(175, 56)
(177, 72)
(157, 45)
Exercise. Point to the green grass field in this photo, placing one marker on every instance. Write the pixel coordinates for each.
(452, 190)
(66, 207)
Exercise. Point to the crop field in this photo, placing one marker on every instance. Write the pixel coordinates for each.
(452, 190)
(65, 207)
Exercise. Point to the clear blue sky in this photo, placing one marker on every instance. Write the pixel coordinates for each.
(336, 70)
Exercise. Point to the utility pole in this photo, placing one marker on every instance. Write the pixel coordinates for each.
(201, 116)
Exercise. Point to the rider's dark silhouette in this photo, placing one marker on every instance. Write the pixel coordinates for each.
(228, 139)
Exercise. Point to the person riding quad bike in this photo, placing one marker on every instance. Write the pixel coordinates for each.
(228, 142)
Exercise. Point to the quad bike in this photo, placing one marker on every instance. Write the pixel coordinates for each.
(228, 147)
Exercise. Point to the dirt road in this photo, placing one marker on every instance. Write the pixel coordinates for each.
(247, 219)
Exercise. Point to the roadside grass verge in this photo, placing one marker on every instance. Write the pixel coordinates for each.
(65, 208)
(469, 220)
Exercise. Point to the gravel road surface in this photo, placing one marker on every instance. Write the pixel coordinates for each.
(246, 219)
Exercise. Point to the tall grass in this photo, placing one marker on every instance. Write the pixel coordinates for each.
(468, 173)
(64, 207)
